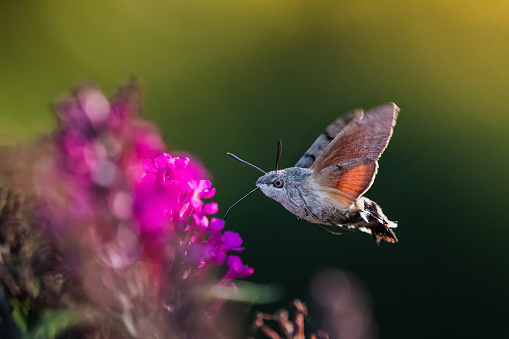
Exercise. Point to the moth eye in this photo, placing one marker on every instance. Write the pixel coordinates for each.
(278, 183)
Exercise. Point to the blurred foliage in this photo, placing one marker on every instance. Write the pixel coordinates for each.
(237, 75)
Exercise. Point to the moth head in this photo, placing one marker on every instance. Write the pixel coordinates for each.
(283, 184)
(273, 184)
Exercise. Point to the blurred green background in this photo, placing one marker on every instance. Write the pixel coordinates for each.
(237, 75)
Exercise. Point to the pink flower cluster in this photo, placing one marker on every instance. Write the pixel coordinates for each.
(120, 208)
(168, 200)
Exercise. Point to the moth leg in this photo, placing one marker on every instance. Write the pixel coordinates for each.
(323, 228)
(346, 228)
(341, 227)
(308, 212)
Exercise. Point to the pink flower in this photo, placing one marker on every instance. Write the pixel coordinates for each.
(236, 269)
(116, 203)
(168, 195)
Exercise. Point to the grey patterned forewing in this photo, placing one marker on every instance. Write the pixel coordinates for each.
(326, 137)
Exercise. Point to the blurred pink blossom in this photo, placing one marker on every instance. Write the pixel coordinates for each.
(132, 220)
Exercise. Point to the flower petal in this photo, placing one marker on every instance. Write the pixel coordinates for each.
(210, 208)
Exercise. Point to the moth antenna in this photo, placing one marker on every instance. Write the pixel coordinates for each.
(244, 197)
(245, 162)
(279, 151)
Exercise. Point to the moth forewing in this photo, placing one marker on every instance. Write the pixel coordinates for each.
(365, 136)
(326, 137)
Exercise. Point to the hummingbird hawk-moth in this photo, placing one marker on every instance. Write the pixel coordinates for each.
(327, 184)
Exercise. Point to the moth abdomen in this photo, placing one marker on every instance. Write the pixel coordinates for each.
(376, 221)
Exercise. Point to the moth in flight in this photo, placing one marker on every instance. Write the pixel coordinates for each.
(327, 184)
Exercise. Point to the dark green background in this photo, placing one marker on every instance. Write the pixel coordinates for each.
(237, 75)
